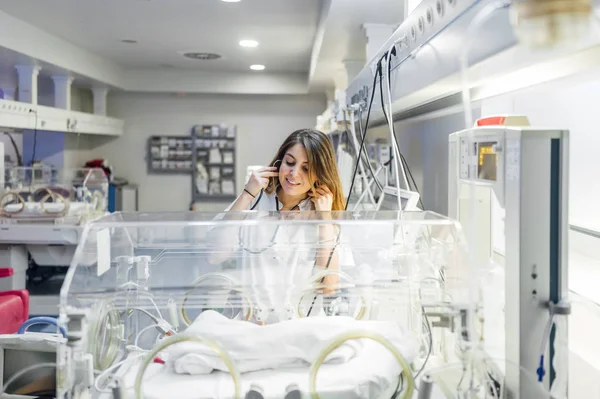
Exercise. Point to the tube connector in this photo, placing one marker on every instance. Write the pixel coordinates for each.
(562, 308)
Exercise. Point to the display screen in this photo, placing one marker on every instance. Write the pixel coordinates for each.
(487, 163)
(390, 202)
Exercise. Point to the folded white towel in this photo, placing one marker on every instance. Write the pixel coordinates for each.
(292, 343)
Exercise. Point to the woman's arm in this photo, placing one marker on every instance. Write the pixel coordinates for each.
(224, 238)
(327, 258)
(242, 203)
(259, 180)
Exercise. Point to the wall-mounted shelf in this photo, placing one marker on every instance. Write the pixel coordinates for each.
(19, 115)
(214, 149)
(169, 155)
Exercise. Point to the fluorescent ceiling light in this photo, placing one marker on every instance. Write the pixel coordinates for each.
(257, 67)
(248, 43)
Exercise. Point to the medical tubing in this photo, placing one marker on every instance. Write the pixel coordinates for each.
(186, 319)
(361, 161)
(322, 275)
(17, 197)
(328, 262)
(368, 160)
(337, 341)
(106, 314)
(222, 353)
(42, 320)
(140, 291)
(137, 337)
(402, 159)
(404, 163)
(482, 16)
(559, 388)
(362, 144)
(104, 373)
(395, 145)
(204, 277)
(541, 372)
(24, 371)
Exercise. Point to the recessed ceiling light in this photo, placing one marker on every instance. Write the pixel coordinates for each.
(202, 56)
(129, 41)
(248, 43)
(257, 67)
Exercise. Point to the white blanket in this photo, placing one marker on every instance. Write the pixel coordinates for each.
(293, 343)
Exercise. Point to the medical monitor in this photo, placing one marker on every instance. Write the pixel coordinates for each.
(389, 202)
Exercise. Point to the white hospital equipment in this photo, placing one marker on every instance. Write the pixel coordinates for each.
(166, 281)
(508, 186)
(42, 214)
(389, 200)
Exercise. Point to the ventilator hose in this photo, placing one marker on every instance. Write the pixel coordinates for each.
(222, 353)
(336, 342)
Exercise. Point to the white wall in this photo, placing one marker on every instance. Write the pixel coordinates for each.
(263, 122)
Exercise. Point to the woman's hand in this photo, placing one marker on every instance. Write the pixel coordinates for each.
(322, 197)
(259, 180)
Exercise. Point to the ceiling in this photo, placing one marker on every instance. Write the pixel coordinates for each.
(285, 30)
(302, 43)
(344, 37)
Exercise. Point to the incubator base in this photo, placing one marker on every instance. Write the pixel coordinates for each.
(375, 376)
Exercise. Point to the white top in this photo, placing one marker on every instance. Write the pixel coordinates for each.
(280, 261)
(270, 203)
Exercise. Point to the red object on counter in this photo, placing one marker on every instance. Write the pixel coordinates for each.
(491, 121)
(14, 310)
(6, 272)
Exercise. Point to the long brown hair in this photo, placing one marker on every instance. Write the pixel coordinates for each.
(322, 165)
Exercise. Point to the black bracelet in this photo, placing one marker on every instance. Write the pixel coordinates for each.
(252, 195)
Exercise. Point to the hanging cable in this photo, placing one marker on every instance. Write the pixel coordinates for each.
(389, 120)
(17, 153)
(362, 143)
(35, 132)
(367, 160)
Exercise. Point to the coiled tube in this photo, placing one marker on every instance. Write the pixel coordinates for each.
(222, 353)
(196, 285)
(360, 334)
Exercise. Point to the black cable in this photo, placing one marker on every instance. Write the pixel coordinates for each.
(413, 181)
(14, 144)
(362, 143)
(426, 319)
(35, 132)
(403, 161)
(368, 161)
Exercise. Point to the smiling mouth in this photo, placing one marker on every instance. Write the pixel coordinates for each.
(291, 183)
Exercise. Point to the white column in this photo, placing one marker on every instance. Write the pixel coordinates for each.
(62, 91)
(377, 35)
(344, 76)
(352, 68)
(100, 94)
(9, 93)
(28, 83)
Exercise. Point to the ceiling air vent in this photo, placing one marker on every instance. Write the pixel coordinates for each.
(202, 56)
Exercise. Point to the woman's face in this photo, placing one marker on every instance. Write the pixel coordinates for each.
(293, 172)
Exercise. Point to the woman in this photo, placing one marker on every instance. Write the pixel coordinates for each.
(302, 176)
